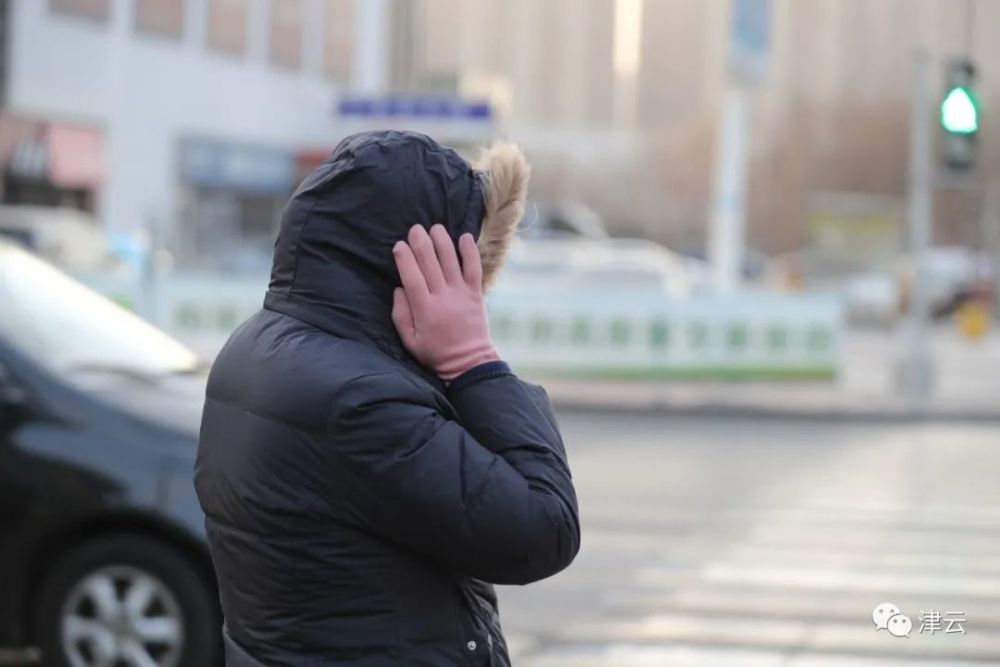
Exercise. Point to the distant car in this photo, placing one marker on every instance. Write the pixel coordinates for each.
(955, 274)
(589, 265)
(754, 263)
(103, 557)
(566, 244)
(561, 220)
(66, 237)
(871, 299)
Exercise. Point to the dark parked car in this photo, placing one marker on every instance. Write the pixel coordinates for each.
(103, 559)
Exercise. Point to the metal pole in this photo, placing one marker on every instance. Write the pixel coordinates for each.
(726, 228)
(917, 366)
(970, 24)
(372, 47)
(150, 278)
(989, 221)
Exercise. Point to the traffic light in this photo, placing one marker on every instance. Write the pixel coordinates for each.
(960, 114)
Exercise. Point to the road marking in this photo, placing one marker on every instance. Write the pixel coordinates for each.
(780, 635)
(808, 605)
(679, 655)
(847, 580)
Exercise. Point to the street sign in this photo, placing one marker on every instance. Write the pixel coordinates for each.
(425, 107)
(749, 39)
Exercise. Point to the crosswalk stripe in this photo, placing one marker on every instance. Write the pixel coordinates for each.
(844, 579)
(936, 555)
(680, 655)
(777, 634)
(801, 538)
(938, 517)
(794, 588)
(807, 605)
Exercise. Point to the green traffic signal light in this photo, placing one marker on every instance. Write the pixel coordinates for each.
(960, 111)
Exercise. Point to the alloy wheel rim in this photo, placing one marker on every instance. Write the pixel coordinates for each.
(122, 616)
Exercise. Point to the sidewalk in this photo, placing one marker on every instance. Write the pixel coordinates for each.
(966, 387)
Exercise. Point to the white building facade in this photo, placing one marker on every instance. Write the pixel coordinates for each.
(195, 116)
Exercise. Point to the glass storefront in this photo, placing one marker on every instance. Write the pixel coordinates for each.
(233, 194)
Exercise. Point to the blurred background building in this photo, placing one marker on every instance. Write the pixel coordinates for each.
(202, 115)
(633, 89)
(189, 115)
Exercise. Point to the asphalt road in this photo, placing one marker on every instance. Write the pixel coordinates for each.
(765, 543)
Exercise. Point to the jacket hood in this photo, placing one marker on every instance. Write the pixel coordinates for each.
(333, 264)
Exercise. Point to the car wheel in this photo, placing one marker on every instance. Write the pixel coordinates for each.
(127, 601)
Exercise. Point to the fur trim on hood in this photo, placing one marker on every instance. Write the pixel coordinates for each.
(505, 174)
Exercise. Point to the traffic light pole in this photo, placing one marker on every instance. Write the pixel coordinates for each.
(916, 372)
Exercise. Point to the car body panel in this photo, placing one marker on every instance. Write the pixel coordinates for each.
(80, 461)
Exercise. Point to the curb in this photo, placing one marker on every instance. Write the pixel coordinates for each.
(723, 411)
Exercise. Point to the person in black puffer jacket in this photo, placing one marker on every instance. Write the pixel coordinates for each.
(367, 466)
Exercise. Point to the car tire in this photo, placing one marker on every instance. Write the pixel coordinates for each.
(117, 595)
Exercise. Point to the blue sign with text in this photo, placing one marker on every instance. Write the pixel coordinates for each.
(429, 107)
(749, 38)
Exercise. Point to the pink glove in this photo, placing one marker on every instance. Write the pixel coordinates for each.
(439, 311)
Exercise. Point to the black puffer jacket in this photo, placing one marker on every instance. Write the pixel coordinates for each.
(357, 509)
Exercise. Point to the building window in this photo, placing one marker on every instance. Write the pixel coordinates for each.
(338, 39)
(286, 33)
(99, 10)
(164, 18)
(227, 26)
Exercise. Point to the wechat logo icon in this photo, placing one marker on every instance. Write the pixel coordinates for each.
(887, 616)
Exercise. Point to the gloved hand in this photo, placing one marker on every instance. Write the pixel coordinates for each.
(440, 312)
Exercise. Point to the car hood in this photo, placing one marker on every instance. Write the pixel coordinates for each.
(171, 402)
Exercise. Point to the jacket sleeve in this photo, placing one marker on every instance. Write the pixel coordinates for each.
(492, 500)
